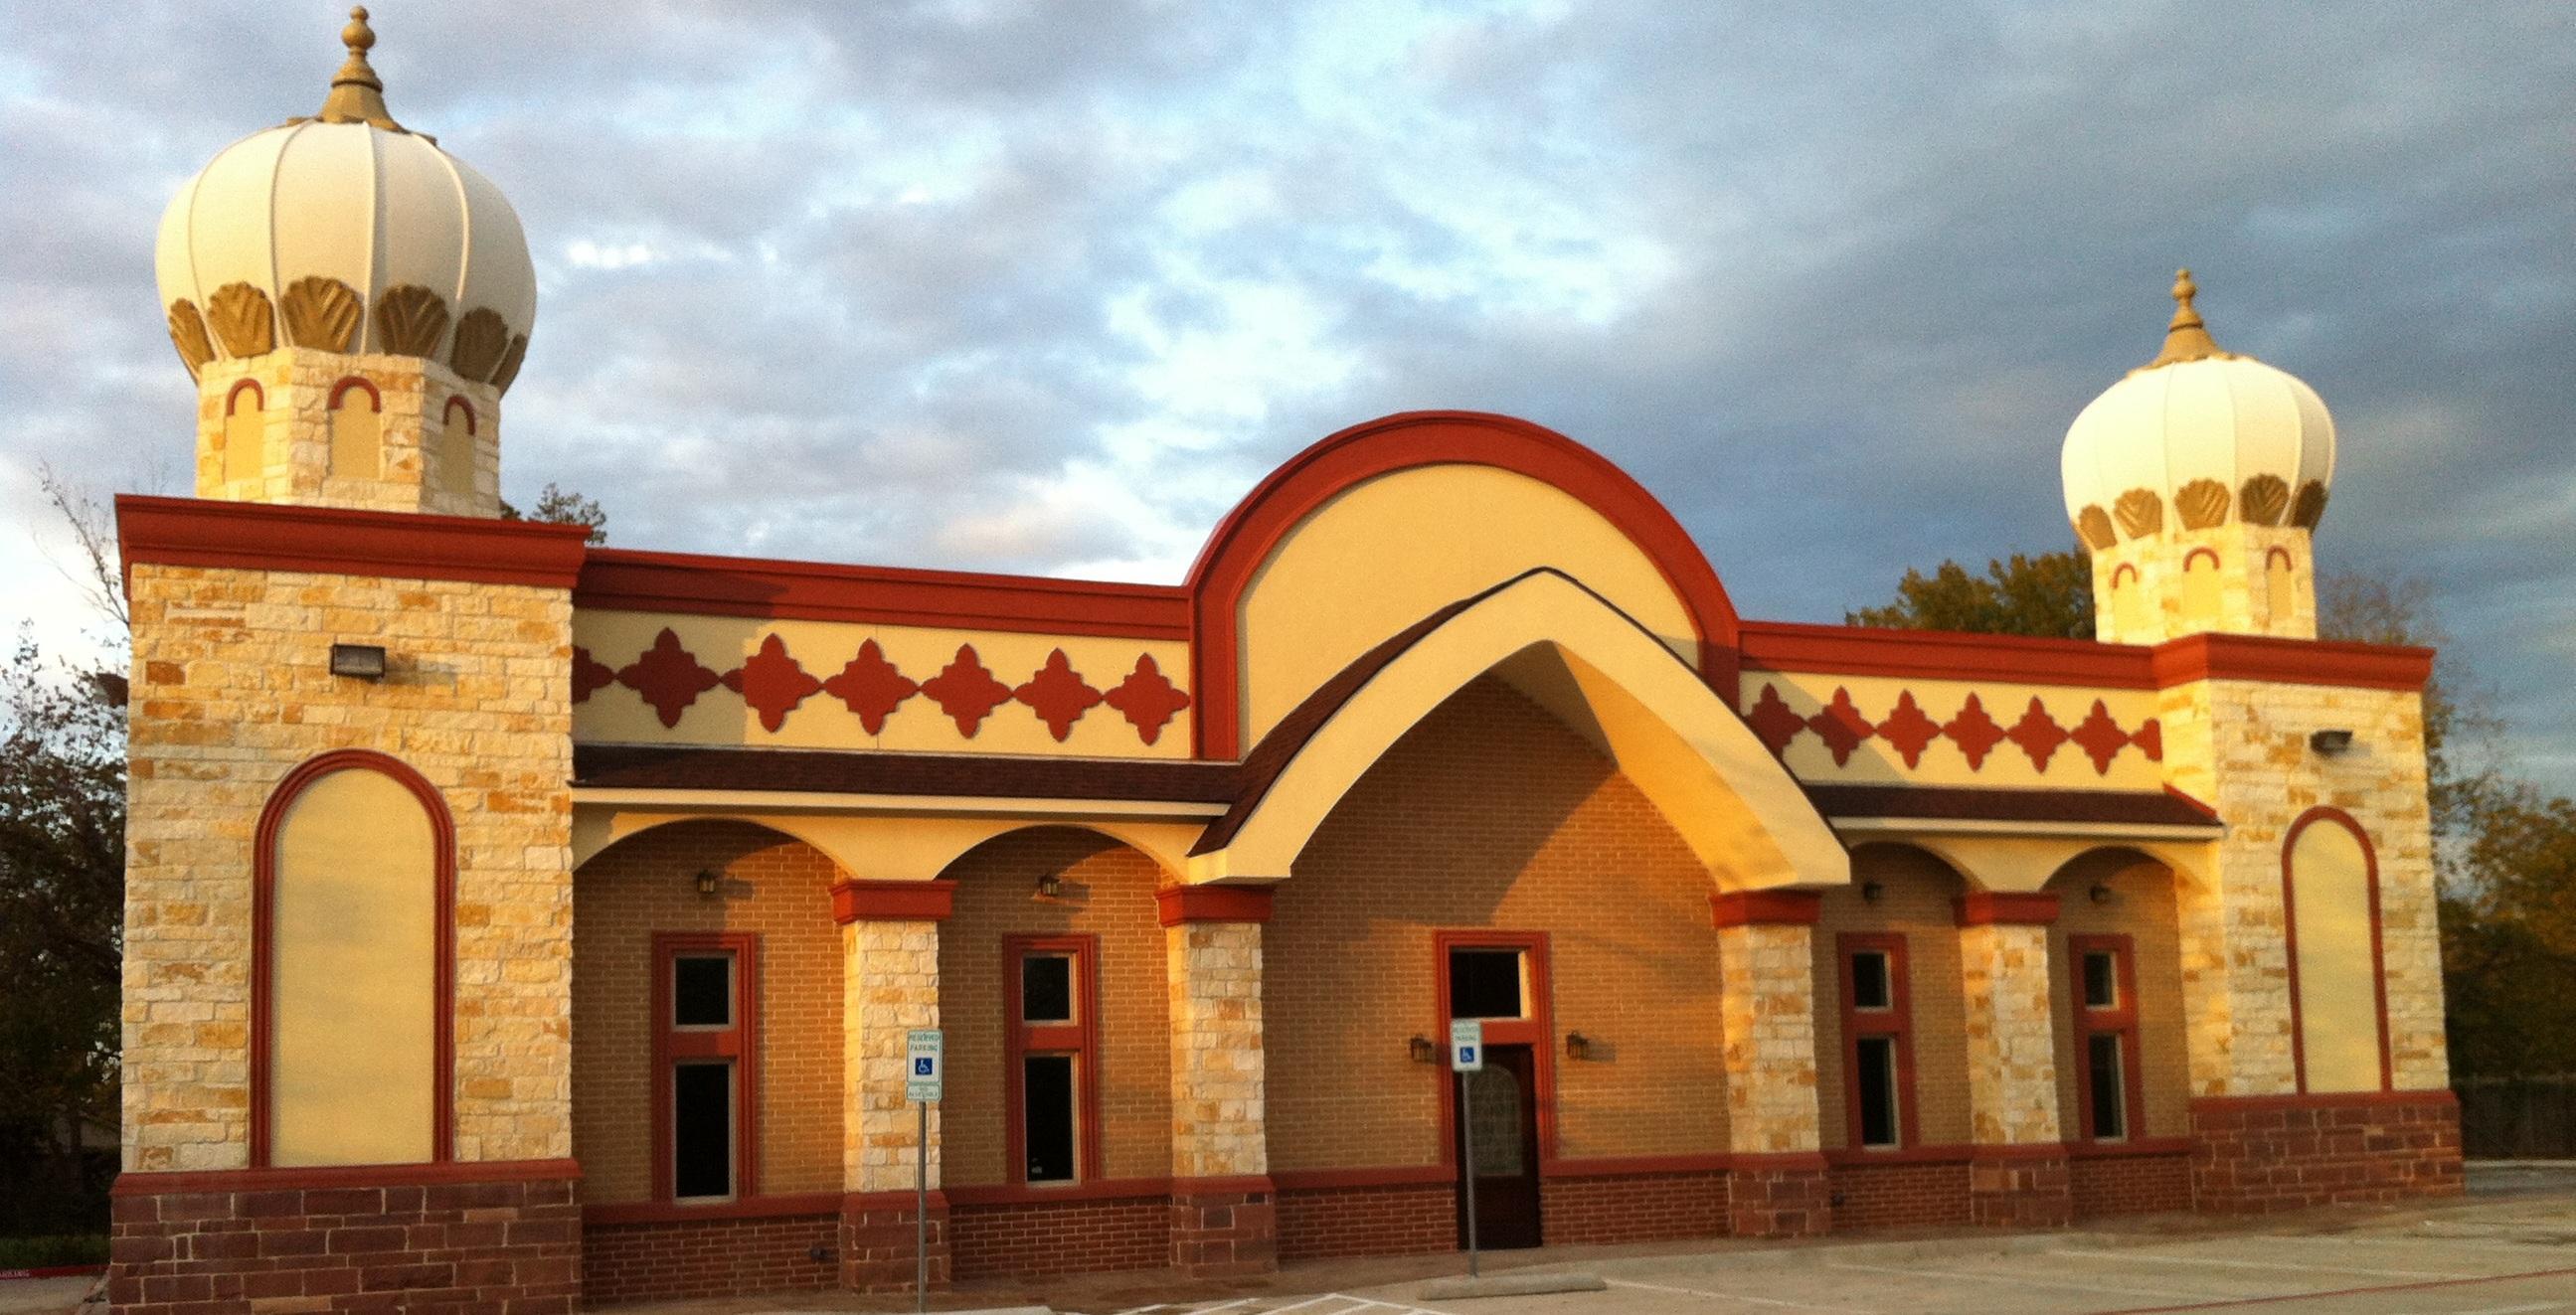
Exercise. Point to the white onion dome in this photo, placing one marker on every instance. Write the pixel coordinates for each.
(2194, 437)
(349, 233)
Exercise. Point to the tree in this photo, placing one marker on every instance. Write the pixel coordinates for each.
(557, 505)
(2049, 595)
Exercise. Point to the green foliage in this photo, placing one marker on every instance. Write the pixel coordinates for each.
(557, 505)
(48, 1252)
(2050, 595)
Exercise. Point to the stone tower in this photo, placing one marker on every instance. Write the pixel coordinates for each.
(2198, 481)
(353, 301)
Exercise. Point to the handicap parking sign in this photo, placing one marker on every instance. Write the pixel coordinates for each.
(1467, 1045)
(922, 1082)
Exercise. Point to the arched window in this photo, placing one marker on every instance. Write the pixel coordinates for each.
(455, 465)
(245, 431)
(2338, 986)
(2279, 594)
(2200, 586)
(2128, 602)
(357, 429)
(352, 1052)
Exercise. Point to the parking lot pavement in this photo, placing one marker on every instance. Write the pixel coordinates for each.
(2509, 1255)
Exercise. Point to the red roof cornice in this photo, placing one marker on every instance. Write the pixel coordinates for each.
(255, 536)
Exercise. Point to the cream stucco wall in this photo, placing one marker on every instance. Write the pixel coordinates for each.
(1386, 552)
(2338, 1007)
(1876, 760)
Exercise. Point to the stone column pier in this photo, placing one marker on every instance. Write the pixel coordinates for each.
(2018, 1175)
(889, 986)
(1777, 1185)
(1224, 1207)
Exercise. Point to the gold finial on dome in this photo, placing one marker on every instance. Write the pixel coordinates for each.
(2186, 338)
(357, 94)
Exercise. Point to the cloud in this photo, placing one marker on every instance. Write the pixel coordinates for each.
(1046, 287)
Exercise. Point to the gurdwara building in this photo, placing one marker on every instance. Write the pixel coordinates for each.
(513, 923)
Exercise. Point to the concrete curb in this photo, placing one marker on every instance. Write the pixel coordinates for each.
(1510, 1285)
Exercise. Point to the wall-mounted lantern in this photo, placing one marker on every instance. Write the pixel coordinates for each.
(358, 661)
(1422, 1050)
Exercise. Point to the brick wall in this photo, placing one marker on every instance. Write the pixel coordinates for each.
(1060, 1237)
(2141, 907)
(1915, 901)
(1489, 814)
(1401, 1220)
(419, 1247)
(769, 884)
(1634, 1208)
(2131, 1184)
(2257, 1156)
(1900, 1195)
(1108, 893)
(706, 1258)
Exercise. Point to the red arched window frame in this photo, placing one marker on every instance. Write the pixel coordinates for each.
(263, 950)
(456, 404)
(375, 400)
(2196, 554)
(259, 397)
(2281, 555)
(2378, 950)
(2122, 574)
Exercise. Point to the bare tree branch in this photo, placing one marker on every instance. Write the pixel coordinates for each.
(93, 529)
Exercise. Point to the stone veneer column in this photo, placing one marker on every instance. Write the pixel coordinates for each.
(2018, 1175)
(1224, 1207)
(889, 986)
(1777, 1184)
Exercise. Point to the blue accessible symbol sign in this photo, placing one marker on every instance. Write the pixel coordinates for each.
(1467, 1045)
(921, 1081)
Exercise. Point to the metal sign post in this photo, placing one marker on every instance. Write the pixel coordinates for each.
(1467, 1057)
(922, 1074)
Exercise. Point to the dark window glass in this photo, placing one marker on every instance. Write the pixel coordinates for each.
(1046, 1094)
(1046, 988)
(2110, 1090)
(2101, 980)
(702, 1130)
(1876, 1057)
(702, 990)
(1485, 984)
(1871, 988)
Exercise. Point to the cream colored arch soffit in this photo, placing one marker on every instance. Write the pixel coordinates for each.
(2024, 864)
(1592, 666)
(894, 839)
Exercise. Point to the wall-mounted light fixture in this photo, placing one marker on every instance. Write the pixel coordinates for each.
(707, 881)
(358, 661)
(2331, 742)
(1050, 886)
(2100, 894)
(1422, 1050)
(1872, 892)
(1578, 1046)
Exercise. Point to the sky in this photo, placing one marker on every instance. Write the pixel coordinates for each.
(1046, 287)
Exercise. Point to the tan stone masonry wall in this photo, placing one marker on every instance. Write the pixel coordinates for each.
(2012, 1061)
(889, 985)
(1768, 985)
(231, 690)
(1217, 1063)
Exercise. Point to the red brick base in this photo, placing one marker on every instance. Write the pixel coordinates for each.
(2263, 1153)
(1779, 1196)
(1653, 1207)
(425, 1238)
(675, 1259)
(1027, 1238)
(1399, 1219)
(2130, 1184)
(1224, 1226)
(2020, 1188)
(878, 1240)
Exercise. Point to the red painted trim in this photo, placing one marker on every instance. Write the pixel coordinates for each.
(296, 1178)
(1223, 1184)
(2196, 554)
(1766, 908)
(238, 388)
(2113, 1150)
(1623, 1166)
(2016, 1153)
(2439, 1098)
(375, 400)
(1897, 1022)
(2290, 662)
(1245, 539)
(1537, 1031)
(2278, 554)
(2124, 573)
(614, 579)
(2378, 947)
(678, 1212)
(1943, 655)
(893, 901)
(252, 536)
(739, 1043)
(2121, 1021)
(891, 1202)
(263, 949)
(53, 1271)
(1779, 1162)
(1180, 904)
(1988, 908)
(1845, 1157)
(1406, 1175)
(456, 404)
(1096, 1189)
(1081, 1040)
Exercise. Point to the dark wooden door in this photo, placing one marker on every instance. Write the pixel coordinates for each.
(1503, 1103)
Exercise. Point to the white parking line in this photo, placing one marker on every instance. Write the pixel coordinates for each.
(2511, 1310)
(1737, 1296)
(2217, 1263)
(2099, 1289)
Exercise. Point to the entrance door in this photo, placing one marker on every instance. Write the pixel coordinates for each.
(1502, 1103)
